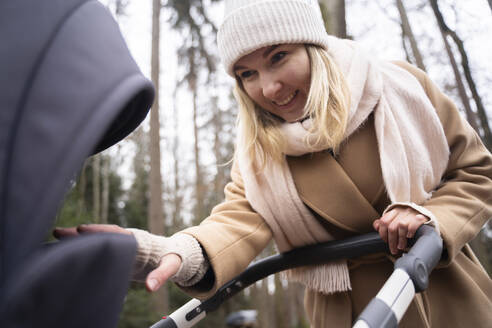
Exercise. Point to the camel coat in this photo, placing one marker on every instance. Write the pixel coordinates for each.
(346, 193)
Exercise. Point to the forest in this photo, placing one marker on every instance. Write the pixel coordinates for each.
(172, 170)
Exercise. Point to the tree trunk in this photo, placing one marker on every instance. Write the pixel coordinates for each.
(82, 187)
(96, 189)
(404, 46)
(490, 4)
(198, 175)
(482, 114)
(408, 33)
(470, 115)
(156, 215)
(177, 199)
(105, 189)
(265, 318)
(295, 292)
(333, 12)
(119, 7)
(281, 318)
(217, 123)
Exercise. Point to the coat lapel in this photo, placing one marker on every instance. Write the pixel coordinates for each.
(346, 190)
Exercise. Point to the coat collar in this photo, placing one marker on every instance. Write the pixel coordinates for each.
(346, 190)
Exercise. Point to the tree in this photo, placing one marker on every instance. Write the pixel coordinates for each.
(407, 34)
(81, 186)
(333, 12)
(96, 187)
(177, 195)
(156, 209)
(281, 303)
(200, 65)
(105, 189)
(482, 115)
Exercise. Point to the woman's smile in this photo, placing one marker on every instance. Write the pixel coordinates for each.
(286, 101)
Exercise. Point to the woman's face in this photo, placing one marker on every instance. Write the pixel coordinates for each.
(277, 79)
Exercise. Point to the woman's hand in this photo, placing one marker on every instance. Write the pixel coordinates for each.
(60, 233)
(168, 267)
(397, 225)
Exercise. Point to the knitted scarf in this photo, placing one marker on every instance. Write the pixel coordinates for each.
(412, 147)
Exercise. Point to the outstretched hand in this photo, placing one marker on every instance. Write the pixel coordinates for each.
(168, 266)
(397, 225)
(60, 233)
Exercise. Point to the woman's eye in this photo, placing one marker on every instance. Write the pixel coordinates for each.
(278, 56)
(246, 74)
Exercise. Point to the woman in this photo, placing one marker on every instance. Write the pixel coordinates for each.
(332, 143)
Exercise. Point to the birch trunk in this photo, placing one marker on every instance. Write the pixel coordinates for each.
(333, 12)
(470, 114)
(82, 187)
(105, 190)
(96, 189)
(198, 174)
(156, 215)
(177, 199)
(408, 33)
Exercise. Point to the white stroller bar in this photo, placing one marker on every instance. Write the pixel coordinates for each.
(411, 275)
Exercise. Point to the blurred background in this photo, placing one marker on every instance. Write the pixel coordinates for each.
(172, 170)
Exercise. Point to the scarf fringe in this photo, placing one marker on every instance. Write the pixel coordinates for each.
(326, 278)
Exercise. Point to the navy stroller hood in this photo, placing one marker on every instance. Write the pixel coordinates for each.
(68, 88)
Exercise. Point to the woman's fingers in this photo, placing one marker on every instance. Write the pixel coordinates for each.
(167, 268)
(108, 228)
(59, 233)
(402, 238)
(385, 221)
(415, 224)
(376, 224)
(397, 232)
(397, 225)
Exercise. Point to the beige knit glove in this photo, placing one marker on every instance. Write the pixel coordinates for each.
(151, 249)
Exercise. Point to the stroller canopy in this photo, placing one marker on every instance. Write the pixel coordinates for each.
(68, 88)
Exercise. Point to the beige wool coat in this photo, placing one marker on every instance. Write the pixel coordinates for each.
(347, 194)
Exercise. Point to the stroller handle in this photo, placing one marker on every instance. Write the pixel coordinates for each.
(411, 275)
(193, 311)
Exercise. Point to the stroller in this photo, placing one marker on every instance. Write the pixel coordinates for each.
(386, 309)
(69, 89)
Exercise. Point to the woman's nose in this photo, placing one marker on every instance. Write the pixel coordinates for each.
(270, 87)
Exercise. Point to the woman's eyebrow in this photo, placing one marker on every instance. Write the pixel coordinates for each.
(269, 50)
(235, 68)
(264, 55)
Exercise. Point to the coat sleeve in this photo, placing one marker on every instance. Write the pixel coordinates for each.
(232, 236)
(462, 203)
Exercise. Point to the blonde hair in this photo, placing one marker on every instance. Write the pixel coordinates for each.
(327, 105)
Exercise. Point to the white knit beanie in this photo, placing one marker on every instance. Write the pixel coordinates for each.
(252, 24)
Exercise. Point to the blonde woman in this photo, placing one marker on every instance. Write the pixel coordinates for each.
(333, 143)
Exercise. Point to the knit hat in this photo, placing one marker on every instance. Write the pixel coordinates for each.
(252, 24)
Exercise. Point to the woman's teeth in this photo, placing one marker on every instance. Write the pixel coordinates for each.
(286, 100)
